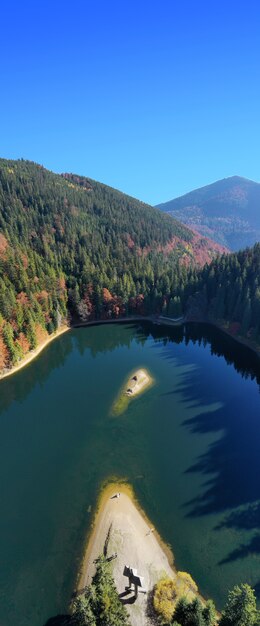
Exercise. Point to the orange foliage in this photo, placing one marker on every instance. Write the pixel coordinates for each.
(42, 296)
(3, 353)
(22, 298)
(62, 283)
(23, 342)
(41, 334)
(137, 304)
(130, 241)
(25, 261)
(199, 251)
(3, 245)
(107, 296)
(88, 301)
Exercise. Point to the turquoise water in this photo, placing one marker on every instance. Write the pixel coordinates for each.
(190, 447)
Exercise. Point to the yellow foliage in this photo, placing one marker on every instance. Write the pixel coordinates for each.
(185, 584)
(168, 591)
(164, 600)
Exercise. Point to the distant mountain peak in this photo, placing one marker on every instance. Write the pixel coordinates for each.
(227, 211)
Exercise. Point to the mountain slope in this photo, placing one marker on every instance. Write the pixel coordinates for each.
(68, 243)
(228, 292)
(227, 211)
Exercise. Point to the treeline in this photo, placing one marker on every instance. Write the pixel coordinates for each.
(175, 608)
(100, 605)
(231, 285)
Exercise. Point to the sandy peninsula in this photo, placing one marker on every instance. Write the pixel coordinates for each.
(122, 528)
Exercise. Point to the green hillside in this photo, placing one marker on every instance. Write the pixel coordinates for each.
(228, 291)
(70, 244)
(227, 211)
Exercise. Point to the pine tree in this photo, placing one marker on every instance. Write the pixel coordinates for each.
(240, 609)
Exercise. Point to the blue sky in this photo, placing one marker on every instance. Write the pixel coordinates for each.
(154, 98)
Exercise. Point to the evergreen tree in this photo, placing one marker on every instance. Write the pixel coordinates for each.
(194, 613)
(82, 608)
(100, 604)
(240, 609)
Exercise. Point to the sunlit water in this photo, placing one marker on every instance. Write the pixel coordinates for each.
(190, 447)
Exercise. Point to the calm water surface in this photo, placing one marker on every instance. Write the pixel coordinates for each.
(190, 447)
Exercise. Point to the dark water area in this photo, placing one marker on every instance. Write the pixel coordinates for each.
(189, 446)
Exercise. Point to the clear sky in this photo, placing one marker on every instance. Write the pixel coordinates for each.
(153, 97)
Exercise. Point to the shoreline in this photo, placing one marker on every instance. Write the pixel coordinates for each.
(121, 531)
(122, 320)
(32, 354)
(243, 341)
(157, 321)
(107, 490)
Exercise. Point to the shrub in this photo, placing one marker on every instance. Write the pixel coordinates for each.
(165, 596)
(186, 583)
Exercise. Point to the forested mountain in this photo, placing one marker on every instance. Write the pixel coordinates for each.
(227, 211)
(228, 290)
(72, 247)
(68, 243)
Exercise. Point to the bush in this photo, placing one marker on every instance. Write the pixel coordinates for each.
(186, 584)
(164, 600)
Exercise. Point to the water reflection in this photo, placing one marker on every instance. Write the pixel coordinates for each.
(17, 387)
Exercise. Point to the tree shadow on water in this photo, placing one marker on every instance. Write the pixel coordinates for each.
(230, 464)
(59, 620)
(253, 547)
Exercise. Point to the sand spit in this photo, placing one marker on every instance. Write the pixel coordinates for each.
(126, 532)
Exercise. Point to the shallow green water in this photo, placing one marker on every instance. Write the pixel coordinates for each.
(190, 446)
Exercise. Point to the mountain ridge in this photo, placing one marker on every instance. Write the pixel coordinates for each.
(227, 211)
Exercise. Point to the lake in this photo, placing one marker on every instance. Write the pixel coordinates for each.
(189, 446)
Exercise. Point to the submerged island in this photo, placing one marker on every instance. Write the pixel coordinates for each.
(139, 381)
